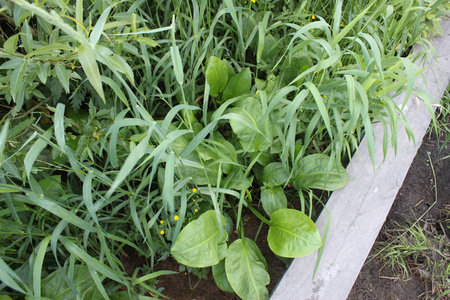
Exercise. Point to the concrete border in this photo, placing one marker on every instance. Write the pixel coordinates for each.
(358, 211)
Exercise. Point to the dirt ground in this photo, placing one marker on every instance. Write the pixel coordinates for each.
(423, 195)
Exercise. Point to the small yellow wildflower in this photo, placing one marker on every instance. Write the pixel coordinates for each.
(254, 1)
(194, 190)
(196, 210)
(161, 232)
(324, 96)
(313, 17)
(342, 23)
(176, 218)
(161, 222)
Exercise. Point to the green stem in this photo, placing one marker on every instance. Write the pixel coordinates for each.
(258, 214)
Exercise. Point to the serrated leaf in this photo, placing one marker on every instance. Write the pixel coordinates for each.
(292, 234)
(246, 271)
(202, 243)
(216, 72)
(272, 199)
(315, 172)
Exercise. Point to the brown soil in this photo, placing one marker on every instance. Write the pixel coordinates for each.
(417, 199)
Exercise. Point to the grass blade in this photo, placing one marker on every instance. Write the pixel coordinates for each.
(58, 120)
(37, 266)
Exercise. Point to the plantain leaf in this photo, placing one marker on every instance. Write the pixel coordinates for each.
(292, 234)
(246, 270)
(220, 277)
(216, 74)
(272, 199)
(317, 172)
(244, 122)
(274, 174)
(238, 85)
(202, 243)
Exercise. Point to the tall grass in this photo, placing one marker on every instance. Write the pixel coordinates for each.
(110, 129)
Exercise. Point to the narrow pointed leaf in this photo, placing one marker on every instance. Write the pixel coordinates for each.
(87, 59)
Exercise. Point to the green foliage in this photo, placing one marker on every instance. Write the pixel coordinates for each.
(201, 243)
(116, 116)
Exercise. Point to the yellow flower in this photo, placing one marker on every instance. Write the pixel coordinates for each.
(324, 96)
(176, 218)
(194, 190)
(254, 1)
(313, 17)
(196, 210)
(161, 222)
(161, 232)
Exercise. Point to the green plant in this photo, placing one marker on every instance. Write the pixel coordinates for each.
(214, 101)
(420, 249)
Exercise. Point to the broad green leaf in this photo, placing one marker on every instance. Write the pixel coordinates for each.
(295, 64)
(86, 57)
(274, 174)
(202, 243)
(317, 172)
(292, 234)
(55, 286)
(244, 122)
(220, 277)
(237, 180)
(238, 85)
(246, 270)
(216, 74)
(272, 199)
